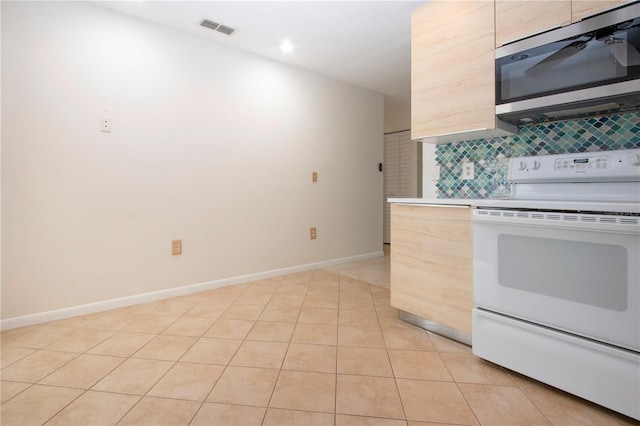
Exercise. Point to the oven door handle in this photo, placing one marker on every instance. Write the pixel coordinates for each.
(629, 225)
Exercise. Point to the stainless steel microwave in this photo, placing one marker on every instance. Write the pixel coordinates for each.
(587, 67)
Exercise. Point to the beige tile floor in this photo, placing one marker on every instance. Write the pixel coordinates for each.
(316, 348)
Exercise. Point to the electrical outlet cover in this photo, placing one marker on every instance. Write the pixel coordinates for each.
(105, 124)
(468, 171)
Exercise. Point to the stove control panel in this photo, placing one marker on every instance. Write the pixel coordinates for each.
(605, 166)
(582, 163)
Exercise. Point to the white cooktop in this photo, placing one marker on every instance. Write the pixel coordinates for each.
(600, 181)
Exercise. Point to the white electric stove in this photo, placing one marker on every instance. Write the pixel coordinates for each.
(557, 275)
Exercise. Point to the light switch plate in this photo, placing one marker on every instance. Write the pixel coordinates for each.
(176, 247)
(435, 173)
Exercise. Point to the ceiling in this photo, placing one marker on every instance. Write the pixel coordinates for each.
(366, 43)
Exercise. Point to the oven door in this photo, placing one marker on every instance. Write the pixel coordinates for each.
(578, 273)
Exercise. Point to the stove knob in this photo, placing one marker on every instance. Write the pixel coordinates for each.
(536, 165)
(523, 165)
(635, 159)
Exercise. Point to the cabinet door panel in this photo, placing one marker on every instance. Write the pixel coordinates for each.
(452, 68)
(431, 263)
(580, 9)
(519, 19)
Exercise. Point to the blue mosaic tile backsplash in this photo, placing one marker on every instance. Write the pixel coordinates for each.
(607, 133)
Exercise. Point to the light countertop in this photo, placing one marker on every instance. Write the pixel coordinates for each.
(434, 201)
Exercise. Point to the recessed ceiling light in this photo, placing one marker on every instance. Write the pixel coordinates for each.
(286, 46)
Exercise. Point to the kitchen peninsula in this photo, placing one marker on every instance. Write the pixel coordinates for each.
(431, 264)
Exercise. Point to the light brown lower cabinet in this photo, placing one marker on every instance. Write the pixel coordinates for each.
(432, 263)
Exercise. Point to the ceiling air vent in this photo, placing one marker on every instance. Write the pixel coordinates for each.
(226, 30)
(217, 27)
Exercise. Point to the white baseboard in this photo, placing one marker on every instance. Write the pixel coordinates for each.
(105, 305)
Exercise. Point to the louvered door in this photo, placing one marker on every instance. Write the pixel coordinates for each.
(400, 172)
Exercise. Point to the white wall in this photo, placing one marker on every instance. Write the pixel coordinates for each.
(396, 118)
(399, 118)
(209, 144)
(428, 163)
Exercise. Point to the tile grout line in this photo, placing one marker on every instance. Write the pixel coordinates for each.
(459, 389)
(214, 384)
(84, 390)
(533, 403)
(335, 394)
(168, 369)
(393, 372)
(70, 402)
(275, 384)
(21, 358)
(28, 387)
(226, 367)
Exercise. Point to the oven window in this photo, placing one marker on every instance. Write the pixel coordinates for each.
(590, 273)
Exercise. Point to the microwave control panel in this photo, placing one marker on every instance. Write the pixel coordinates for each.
(612, 166)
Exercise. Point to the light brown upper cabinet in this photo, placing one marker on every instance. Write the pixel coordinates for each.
(518, 19)
(580, 9)
(452, 72)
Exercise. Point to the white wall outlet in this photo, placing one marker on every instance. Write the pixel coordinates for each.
(435, 173)
(468, 171)
(105, 124)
